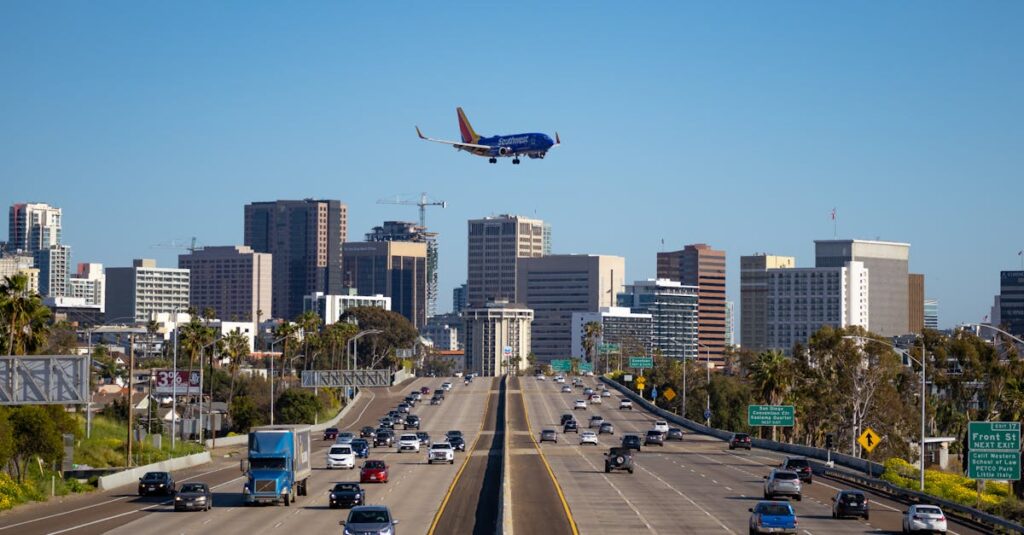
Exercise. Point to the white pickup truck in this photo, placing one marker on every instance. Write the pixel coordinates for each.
(441, 452)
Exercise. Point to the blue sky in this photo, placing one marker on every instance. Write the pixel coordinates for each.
(741, 126)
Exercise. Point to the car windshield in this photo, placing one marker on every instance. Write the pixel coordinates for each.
(346, 487)
(454, 433)
(193, 487)
(272, 463)
(929, 510)
(441, 446)
(777, 509)
(797, 463)
(373, 516)
(410, 437)
(785, 475)
(741, 437)
(154, 476)
(359, 443)
(374, 464)
(340, 450)
(853, 497)
(332, 430)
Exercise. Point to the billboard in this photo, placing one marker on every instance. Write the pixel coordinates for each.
(187, 382)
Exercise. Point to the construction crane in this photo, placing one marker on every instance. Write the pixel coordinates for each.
(423, 203)
(179, 245)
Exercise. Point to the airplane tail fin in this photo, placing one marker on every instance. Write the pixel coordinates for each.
(468, 135)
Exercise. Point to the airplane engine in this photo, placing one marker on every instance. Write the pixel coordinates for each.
(536, 155)
(504, 151)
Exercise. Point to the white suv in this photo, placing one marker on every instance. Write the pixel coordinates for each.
(341, 456)
(661, 426)
(441, 452)
(408, 441)
(625, 404)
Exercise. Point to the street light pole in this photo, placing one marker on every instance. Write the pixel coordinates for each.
(707, 388)
(272, 344)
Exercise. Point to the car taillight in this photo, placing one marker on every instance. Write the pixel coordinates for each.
(942, 518)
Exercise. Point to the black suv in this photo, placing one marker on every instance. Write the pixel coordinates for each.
(384, 437)
(618, 459)
(850, 503)
(412, 422)
(800, 466)
(565, 418)
(571, 427)
(631, 442)
(739, 440)
(156, 483)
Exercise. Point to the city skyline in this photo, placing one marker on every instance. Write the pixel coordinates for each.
(746, 116)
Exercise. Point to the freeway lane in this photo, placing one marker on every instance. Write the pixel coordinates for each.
(472, 505)
(414, 491)
(697, 486)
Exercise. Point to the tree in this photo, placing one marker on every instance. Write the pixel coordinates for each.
(35, 435)
(309, 322)
(591, 332)
(397, 332)
(245, 414)
(296, 406)
(236, 348)
(771, 375)
(22, 316)
(195, 337)
(61, 340)
(6, 437)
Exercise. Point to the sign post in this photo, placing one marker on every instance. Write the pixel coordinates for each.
(993, 451)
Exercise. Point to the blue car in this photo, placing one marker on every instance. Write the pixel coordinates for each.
(360, 447)
(772, 517)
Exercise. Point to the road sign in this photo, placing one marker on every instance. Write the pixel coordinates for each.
(869, 439)
(707, 414)
(586, 367)
(44, 379)
(187, 382)
(608, 347)
(669, 394)
(654, 393)
(641, 362)
(561, 365)
(770, 415)
(507, 351)
(993, 436)
(993, 450)
(640, 382)
(997, 465)
(628, 378)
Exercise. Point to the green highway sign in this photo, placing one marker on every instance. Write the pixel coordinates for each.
(641, 362)
(993, 450)
(586, 366)
(561, 365)
(770, 415)
(608, 347)
(993, 436)
(997, 465)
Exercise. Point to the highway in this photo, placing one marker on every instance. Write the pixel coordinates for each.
(414, 493)
(694, 486)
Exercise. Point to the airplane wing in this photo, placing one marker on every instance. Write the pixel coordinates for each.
(457, 144)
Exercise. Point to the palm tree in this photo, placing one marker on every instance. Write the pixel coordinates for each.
(23, 316)
(309, 322)
(236, 347)
(591, 332)
(772, 376)
(194, 338)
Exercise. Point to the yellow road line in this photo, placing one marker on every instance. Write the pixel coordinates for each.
(465, 462)
(558, 488)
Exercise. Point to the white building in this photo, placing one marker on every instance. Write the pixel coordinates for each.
(54, 263)
(33, 226)
(497, 335)
(631, 332)
(144, 290)
(802, 300)
(89, 283)
(443, 331)
(331, 307)
(14, 264)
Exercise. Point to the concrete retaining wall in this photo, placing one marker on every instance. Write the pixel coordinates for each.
(131, 476)
(238, 440)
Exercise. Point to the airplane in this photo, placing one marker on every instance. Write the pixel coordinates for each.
(533, 145)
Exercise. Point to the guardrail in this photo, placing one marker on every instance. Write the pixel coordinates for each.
(132, 475)
(504, 523)
(962, 512)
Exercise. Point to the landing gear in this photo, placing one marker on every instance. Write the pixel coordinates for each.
(493, 160)
(515, 161)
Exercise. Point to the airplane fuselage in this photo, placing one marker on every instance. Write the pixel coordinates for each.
(533, 145)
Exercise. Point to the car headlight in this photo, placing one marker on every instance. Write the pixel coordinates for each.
(245, 489)
(284, 490)
(347, 532)
(201, 499)
(177, 498)
(386, 531)
(161, 484)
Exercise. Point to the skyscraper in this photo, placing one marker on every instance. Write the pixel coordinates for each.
(234, 281)
(497, 337)
(556, 286)
(495, 246)
(915, 303)
(701, 266)
(144, 290)
(802, 300)
(931, 314)
(754, 297)
(1011, 302)
(888, 264)
(394, 269)
(459, 298)
(32, 227)
(304, 238)
(673, 309)
(54, 263)
(407, 231)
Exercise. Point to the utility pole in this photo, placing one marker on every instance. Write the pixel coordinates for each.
(131, 387)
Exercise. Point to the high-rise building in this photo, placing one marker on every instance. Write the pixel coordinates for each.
(1011, 302)
(305, 240)
(495, 246)
(730, 310)
(915, 302)
(444, 330)
(145, 290)
(701, 266)
(330, 308)
(406, 231)
(89, 284)
(802, 300)
(754, 297)
(233, 280)
(673, 309)
(630, 333)
(13, 264)
(931, 314)
(54, 263)
(556, 286)
(393, 269)
(33, 226)
(888, 264)
(497, 338)
(459, 302)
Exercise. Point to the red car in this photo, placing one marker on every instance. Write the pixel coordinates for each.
(330, 433)
(425, 390)
(374, 472)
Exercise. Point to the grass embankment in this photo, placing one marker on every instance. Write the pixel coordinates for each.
(38, 485)
(996, 498)
(105, 448)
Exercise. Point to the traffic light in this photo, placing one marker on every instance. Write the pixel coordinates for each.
(830, 441)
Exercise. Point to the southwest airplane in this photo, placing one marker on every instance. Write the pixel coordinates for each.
(532, 145)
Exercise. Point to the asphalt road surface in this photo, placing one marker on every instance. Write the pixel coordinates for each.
(693, 486)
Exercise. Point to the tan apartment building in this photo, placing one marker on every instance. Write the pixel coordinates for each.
(233, 280)
(495, 246)
(497, 337)
(754, 297)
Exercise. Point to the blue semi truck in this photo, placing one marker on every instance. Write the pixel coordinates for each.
(278, 464)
